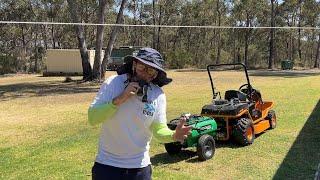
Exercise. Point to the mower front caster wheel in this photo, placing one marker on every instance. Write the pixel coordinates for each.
(206, 147)
(272, 119)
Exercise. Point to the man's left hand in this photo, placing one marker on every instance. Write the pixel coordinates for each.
(182, 131)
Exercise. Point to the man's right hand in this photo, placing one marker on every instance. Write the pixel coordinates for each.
(129, 91)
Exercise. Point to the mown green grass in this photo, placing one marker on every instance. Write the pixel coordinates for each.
(44, 132)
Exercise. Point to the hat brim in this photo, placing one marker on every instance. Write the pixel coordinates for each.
(131, 58)
(161, 78)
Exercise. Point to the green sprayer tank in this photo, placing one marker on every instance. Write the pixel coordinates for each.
(202, 136)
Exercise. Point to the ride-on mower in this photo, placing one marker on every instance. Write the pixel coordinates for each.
(242, 113)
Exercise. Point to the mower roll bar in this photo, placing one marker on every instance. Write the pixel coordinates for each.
(232, 64)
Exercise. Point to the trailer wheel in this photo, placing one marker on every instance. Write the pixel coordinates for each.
(206, 147)
(243, 132)
(272, 119)
(173, 148)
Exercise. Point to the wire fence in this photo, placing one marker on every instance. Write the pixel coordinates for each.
(162, 26)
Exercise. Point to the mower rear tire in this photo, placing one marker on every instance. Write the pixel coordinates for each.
(173, 148)
(243, 132)
(206, 147)
(272, 119)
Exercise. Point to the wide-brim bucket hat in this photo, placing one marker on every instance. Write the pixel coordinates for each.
(150, 57)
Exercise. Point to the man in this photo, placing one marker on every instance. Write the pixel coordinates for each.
(132, 108)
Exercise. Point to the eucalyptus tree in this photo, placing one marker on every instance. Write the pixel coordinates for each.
(53, 9)
(88, 13)
(86, 68)
(311, 18)
(182, 47)
(21, 34)
(289, 13)
(221, 10)
(132, 8)
(170, 15)
(246, 16)
(271, 41)
(317, 58)
(112, 38)
(99, 40)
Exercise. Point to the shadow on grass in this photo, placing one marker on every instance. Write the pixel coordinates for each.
(284, 73)
(189, 155)
(165, 158)
(45, 88)
(304, 155)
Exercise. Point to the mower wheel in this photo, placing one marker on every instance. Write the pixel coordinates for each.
(173, 148)
(243, 132)
(272, 119)
(206, 147)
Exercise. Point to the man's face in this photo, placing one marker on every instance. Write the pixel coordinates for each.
(144, 72)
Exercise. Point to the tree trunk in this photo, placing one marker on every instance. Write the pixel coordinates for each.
(112, 38)
(271, 43)
(234, 46)
(312, 45)
(24, 48)
(44, 35)
(52, 35)
(136, 40)
(317, 59)
(99, 41)
(218, 34)
(30, 70)
(133, 39)
(189, 39)
(36, 54)
(154, 23)
(293, 41)
(87, 71)
(52, 31)
(288, 49)
(299, 30)
(299, 42)
(214, 38)
(159, 28)
(238, 55)
(291, 46)
(246, 41)
(175, 38)
(140, 42)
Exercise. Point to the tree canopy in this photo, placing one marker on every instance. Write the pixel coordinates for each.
(24, 45)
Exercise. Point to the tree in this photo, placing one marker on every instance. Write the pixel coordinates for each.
(86, 68)
(317, 58)
(99, 41)
(271, 47)
(112, 38)
(256, 47)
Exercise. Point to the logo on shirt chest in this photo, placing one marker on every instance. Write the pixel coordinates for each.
(148, 109)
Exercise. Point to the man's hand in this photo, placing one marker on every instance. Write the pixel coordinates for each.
(129, 91)
(182, 131)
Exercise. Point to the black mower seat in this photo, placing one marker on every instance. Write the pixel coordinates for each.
(231, 94)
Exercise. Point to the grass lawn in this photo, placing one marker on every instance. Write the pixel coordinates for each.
(44, 132)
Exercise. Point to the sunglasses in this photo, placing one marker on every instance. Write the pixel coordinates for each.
(149, 70)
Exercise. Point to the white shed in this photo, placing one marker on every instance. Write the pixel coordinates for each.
(66, 61)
